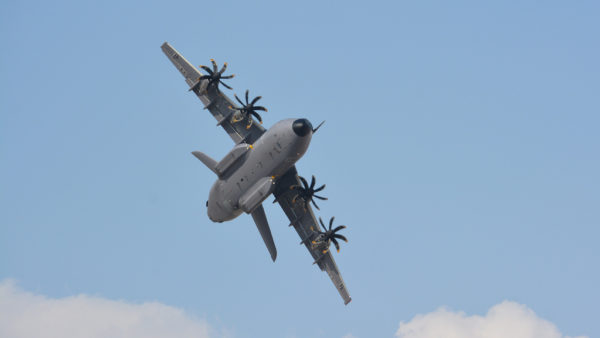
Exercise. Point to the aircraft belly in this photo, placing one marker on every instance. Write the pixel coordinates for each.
(244, 187)
(265, 160)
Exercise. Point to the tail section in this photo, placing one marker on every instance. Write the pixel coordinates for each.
(207, 160)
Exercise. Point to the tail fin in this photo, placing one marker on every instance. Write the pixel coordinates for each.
(207, 160)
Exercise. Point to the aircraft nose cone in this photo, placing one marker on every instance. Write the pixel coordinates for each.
(302, 127)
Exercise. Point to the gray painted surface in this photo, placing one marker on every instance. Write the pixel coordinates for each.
(207, 160)
(263, 227)
(255, 195)
(261, 163)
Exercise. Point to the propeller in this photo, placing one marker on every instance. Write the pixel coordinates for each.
(330, 235)
(248, 109)
(215, 76)
(307, 192)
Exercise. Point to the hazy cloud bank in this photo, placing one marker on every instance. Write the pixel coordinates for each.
(24, 314)
(507, 319)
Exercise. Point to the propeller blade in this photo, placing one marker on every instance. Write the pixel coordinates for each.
(335, 242)
(223, 69)
(214, 65)
(238, 100)
(257, 116)
(208, 70)
(321, 198)
(247, 90)
(339, 228)
(304, 182)
(312, 182)
(314, 203)
(320, 188)
(331, 222)
(342, 237)
(226, 86)
(255, 100)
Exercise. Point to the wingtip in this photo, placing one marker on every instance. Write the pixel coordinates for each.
(348, 301)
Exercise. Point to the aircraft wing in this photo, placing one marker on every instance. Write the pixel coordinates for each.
(214, 100)
(219, 106)
(302, 220)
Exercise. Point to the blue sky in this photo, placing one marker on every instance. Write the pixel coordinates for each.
(460, 148)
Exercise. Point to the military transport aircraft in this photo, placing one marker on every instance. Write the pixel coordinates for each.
(260, 164)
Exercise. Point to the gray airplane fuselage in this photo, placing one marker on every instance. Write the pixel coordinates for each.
(251, 177)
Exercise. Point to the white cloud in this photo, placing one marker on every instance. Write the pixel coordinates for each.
(24, 314)
(507, 319)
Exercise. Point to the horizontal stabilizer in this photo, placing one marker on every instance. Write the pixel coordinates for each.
(263, 227)
(207, 160)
